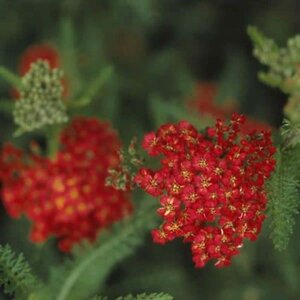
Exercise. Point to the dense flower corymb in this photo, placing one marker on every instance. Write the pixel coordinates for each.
(66, 197)
(211, 186)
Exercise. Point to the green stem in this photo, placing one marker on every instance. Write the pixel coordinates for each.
(53, 135)
(142, 220)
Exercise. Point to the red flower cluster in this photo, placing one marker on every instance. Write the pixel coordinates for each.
(204, 103)
(40, 52)
(66, 197)
(211, 186)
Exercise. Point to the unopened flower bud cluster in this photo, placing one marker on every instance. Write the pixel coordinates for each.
(41, 98)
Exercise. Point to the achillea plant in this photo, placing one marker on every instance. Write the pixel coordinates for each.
(215, 186)
(66, 196)
(211, 186)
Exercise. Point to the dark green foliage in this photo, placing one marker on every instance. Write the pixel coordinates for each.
(153, 296)
(87, 272)
(283, 197)
(16, 278)
(291, 133)
(10, 77)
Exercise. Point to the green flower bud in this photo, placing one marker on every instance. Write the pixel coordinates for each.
(41, 98)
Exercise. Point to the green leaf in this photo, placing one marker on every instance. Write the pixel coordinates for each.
(93, 88)
(10, 77)
(283, 197)
(15, 274)
(143, 296)
(256, 36)
(69, 55)
(86, 273)
(290, 133)
(282, 62)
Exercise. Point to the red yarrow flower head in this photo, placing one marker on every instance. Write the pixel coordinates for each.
(66, 196)
(37, 52)
(211, 186)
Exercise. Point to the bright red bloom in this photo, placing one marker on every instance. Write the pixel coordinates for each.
(211, 186)
(66, 197)
(44, 52)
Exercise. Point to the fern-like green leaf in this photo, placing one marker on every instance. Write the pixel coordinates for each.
(86, 273)
(291, 133)
(283, 197)
(282, 62)
(16, 278)
(144, 296)
(153, 296)
(10, 77)
(265, 49)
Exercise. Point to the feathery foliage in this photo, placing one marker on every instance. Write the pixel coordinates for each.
(283, 197)
(283, 62)
(10, 77)
(153, 296)
(86, 273)
(16, 278)
(291, 132)
(284, 73)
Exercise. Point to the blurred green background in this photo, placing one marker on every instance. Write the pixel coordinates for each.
(159, 50)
